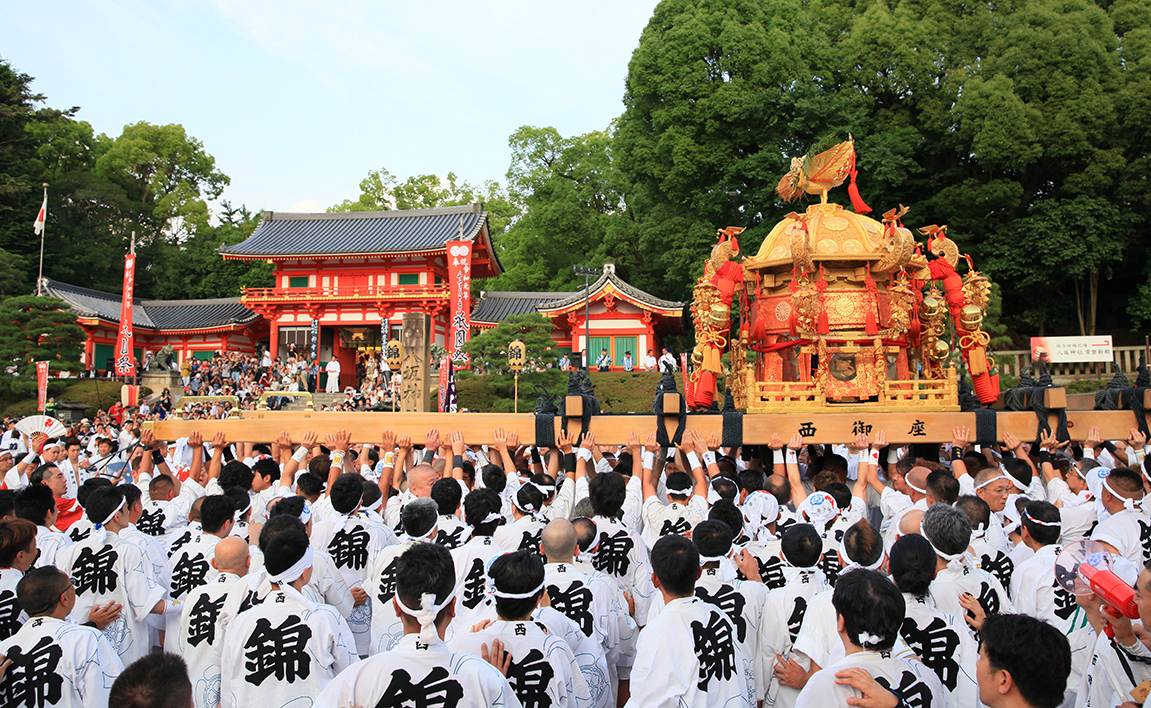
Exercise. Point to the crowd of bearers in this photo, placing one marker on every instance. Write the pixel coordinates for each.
(315, 572)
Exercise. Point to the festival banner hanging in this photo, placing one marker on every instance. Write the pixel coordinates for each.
(450, 396)
(445, 364)
(460, 294)
(125, 362)
(41, 385)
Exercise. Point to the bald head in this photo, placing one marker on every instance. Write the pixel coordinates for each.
(917, 481)
(232, 555)
(911, 522)
(421, 479)
(559, 541)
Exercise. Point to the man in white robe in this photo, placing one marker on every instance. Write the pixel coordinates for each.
(482, 513)
(420, 521)
(197, 637)
(421, 669)
(688, 654)
(284, 649)
(55, 662)
(190, 567)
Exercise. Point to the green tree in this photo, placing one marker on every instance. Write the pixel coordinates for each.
(488, 351)
(196, 269)
(36, 329)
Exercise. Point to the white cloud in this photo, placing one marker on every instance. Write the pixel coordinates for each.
(308, 206)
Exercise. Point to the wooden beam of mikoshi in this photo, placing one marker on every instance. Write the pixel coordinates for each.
(477, 428)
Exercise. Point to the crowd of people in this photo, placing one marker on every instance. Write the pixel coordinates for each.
(437, 572)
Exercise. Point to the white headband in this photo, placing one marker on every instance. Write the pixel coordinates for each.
(518, 595)
(375, 505)
(522, 507)
(1034, 520)
(1128, 502)
(681, 491)
(427, 613)
(907, 481)
(294, 573)
(98, 530)
(545, 489)
(874, 566)
(994, 479)
(492, 517)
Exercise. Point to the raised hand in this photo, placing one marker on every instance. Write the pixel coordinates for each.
(387, 441)
(195, 439)
(796, 442)
(457, 439)
(564, 441)
(880, 440)
(219, 440)
(588, 442)
(310, 439)
(432, 440)
(960, 436)
(284, 440)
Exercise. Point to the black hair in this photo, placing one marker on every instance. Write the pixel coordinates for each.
(16, 535)
(37, 477)
(447, 495)
(241, 499)
(623, 464)
(7, 502)
(39, 591)
(153, 681)
(840, 493)
(529, 500)
(675, 562)
(607, 492)
(1042, 511)
(309, 484)
(89, 486)
(494, 478)
(372, 493)
(862, 544)
(517, 572)
(801, 545)
(712, 538)
(869, 604)
(424, 568)
(750, 480)
(132, 494)
(912, 564)
(418, 517)
(346, 493)
(943, 487)
(1037, 656)
(976, 509)
(215, 511)
(287, 506)
(278, 524)
(320, 466)
(725, 488)
(236, 474)
(265, 467)
(679, 480)
(478, 504)
(284, 550)
(102, 504)
(545, 480)
(1018, 469)
(1125, 480)
(727, 512)
(586, 532)
(35, 502)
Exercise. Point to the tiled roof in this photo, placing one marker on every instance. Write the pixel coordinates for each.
(152, 314)
(360, 233)
(497, 306)
(609, 276)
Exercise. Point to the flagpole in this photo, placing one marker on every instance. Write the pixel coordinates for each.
(43, 228)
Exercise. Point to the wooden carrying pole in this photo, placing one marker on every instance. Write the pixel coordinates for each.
(819, 428)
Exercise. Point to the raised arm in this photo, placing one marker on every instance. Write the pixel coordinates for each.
(584, 465)
(798, 493)
(700, 457)
(388, 462)
(456, 438)
(867, 467)
(219, 442)
(960, 436)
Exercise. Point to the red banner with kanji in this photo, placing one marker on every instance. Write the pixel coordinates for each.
(41, 385)
(125, 361)
(460, 294)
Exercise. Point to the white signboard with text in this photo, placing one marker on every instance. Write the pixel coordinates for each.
(1057, 350)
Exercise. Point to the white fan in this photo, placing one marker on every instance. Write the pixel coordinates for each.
(41, 424)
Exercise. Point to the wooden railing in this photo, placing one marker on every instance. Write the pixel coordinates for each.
(344, 292)
(1127, 358)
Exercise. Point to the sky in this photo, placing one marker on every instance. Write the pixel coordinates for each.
(297, 101)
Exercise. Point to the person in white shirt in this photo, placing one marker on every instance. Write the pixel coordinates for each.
(869, 611)
(333, 371)
(667, 360)
(421, 669)
(688, 654)
(649, 362)
(53, 661)
(1127, 531)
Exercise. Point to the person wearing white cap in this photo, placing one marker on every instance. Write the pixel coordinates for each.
(1127, 531)
(541, 667)
(285, 647)
(421, 668)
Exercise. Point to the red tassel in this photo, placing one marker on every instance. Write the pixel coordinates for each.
(823, 326)
(872, 325)
(857, 202)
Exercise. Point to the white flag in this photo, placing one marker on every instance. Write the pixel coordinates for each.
(38, 225)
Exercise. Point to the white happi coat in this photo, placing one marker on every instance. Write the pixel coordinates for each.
(412, 672)
(352, 549)
(59, 664)
(622, 555)
(918, 685)
(191, 567)
(960, 577)
(49, 543)
(282, 652)
(471, 561)
(200, 640)
(1035, 592)
(782, 618)
(523, 534)
(944, 644)
(543, 671)
(115, 571)
(12, 615)
(387, 629)
(688, 656)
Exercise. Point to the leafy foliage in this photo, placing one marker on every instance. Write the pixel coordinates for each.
(489, 349)
(37, 329)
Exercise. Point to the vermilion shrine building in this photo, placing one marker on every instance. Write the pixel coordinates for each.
(352, 272)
